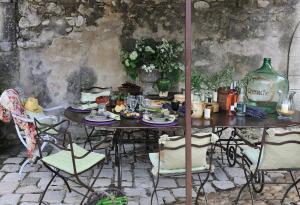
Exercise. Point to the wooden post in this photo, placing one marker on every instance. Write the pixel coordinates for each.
(188, 104)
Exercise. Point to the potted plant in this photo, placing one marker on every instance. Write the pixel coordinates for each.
(139, 62)
(168, 63)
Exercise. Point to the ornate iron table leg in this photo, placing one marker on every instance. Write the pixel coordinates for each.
(118, 157)
(88, 136)
(231, 150)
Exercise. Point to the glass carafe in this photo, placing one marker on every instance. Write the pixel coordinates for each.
(285, 106)
(262, 91)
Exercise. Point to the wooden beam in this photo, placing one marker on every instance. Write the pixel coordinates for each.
(188, 104)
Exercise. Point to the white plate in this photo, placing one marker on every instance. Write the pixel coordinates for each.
(158, 122)
(95, 118)
(78, 107)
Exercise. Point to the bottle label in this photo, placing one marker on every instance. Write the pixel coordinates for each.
(232, 108)
(241, 108)
(262, 90)
(207, 113)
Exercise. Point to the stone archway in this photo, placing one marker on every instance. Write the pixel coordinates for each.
(294, 65)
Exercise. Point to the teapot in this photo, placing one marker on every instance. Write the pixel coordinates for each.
(285, 106)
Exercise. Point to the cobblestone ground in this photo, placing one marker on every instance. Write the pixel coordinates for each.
(222, 186)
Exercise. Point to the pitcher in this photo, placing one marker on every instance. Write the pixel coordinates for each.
(286, 106)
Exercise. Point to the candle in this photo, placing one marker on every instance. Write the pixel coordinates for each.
(285, 108)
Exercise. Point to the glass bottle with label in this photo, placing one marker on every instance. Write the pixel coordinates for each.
(231, 100)
(241, 104)
(262, 91)
(208, 109)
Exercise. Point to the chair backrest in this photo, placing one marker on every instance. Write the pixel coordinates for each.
(172, 150)
(90, 94)
(20, 132)
(280, 148)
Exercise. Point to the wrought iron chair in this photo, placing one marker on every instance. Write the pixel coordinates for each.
(89, 95)
(22, 136)
(72, 160)
(278, 151)
(170, 160)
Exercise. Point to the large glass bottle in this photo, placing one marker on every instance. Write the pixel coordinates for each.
(262, 91)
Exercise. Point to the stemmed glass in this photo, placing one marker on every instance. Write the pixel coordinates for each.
(146, 104)
(132, 104)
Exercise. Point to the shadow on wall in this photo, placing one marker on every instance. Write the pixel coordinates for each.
(84, 78)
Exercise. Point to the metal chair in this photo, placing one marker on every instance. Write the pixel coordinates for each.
(278, 151)
(22, 136)
(170, 160)
(72, 160)
(15, 110)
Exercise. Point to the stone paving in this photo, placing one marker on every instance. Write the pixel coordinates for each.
(222, 186)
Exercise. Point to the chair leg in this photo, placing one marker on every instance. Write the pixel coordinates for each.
(22, 168)
(287, 191)
(155, 184)
(44, 193)
(202, 187)
(246, 185)
(90, 188)
(296, 187)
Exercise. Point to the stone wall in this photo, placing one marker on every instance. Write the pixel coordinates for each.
(66, 44)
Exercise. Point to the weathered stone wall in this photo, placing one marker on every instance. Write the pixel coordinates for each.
(9, 64)
(66, 44)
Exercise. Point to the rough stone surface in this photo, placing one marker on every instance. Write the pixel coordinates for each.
(65, 45)
(223, 185)
(137, 184)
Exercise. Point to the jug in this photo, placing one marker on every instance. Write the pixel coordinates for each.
(285, 106)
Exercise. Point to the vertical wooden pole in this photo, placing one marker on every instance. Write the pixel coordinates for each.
(188, 105)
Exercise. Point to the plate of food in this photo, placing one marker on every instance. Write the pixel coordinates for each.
(156, 104)
(84, 107)
(130, 115)
(98, 118)
(159, 118)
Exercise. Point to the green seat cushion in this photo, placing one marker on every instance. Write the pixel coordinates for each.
(63, 160)
(154, 161)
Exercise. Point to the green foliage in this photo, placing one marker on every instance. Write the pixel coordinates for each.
(246, 80)
(149, 55)
(206, 81)
(197, 79)
(169, 55)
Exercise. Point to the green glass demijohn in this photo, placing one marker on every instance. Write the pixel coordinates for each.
(262, 91)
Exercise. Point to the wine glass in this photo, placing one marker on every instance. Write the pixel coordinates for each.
(132, 104)
(140, 99)
(146, 104)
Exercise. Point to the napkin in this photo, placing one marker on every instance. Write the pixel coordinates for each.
(91, 97)
(113, 116)
(88, 106)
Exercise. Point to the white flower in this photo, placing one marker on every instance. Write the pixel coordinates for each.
(149, 49)
(133, 55)
(127, 63)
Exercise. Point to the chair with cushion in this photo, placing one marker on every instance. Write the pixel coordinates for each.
(170, 160)
(279, 151)
(70, 161)
(11, 107)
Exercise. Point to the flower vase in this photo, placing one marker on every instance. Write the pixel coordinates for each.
(147, 81)
(164, 86)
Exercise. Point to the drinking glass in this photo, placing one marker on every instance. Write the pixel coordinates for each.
(146, 104)
(140, 99)
(127, 102)
(133, 104)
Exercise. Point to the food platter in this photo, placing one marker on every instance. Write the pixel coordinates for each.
(98, 118)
